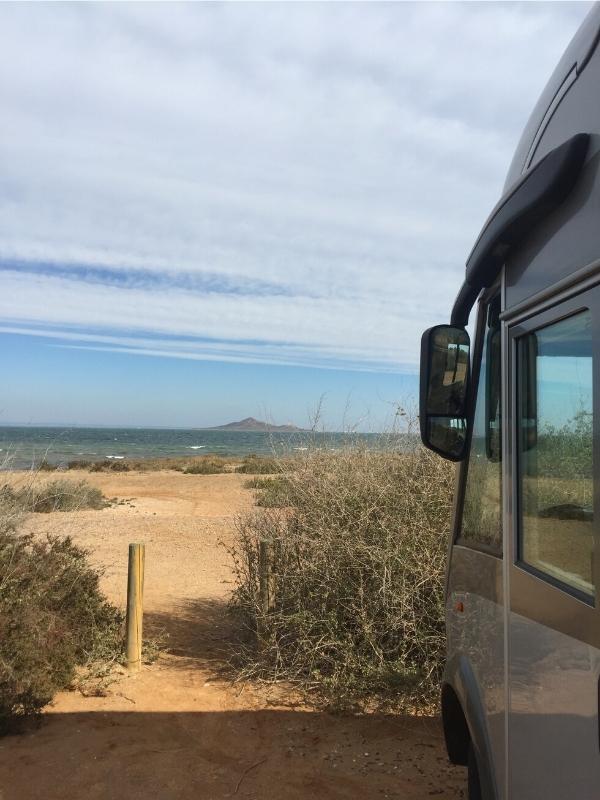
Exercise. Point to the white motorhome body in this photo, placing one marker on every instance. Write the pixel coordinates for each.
(521, 416)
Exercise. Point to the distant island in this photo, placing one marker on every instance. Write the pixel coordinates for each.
(251, 424)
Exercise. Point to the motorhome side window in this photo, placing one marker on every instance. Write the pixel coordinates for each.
(556, 477)
(482, 507)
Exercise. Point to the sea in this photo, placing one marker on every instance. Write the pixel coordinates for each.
(27, 446)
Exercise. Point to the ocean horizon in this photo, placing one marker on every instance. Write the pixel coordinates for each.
(26, 446)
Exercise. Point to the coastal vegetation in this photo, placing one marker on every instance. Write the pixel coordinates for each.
(356, 546)
(57, 495)
(272, 492)
(262, 465)
(209, 464)
(206, 466)
(355, 562)
(54, 620)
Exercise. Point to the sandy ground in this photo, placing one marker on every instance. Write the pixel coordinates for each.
(179, 729)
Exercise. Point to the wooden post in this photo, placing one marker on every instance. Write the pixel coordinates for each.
(135, 597)
(264, 575)
(265, 589)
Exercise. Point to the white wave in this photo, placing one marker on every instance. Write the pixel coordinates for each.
(195, 446)
(118, 457)
(300, 448)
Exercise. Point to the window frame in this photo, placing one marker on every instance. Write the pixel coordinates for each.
(457, 539)
(587, 300)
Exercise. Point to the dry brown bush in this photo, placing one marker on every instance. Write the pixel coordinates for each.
(358, 542)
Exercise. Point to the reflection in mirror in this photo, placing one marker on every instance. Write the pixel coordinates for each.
(445, 367)
(448, 435)
(448, 370)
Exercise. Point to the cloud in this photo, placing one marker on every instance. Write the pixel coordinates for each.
(277, 183)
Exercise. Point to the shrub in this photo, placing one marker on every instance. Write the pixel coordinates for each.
(53, 619)
(257, 483)
(117, 465)
(207, 466)
(46, 466)
(272, 492)
(357, 556)
(80, 464)
(257, 465)
(57, 495)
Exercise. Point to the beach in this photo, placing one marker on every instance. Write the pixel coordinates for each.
(180, 728)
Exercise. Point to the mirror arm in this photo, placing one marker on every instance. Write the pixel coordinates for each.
(463, 304)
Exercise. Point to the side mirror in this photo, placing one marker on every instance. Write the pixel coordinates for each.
(445, 367)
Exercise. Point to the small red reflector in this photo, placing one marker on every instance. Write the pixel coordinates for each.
(459, 606)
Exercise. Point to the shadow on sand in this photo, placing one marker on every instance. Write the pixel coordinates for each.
(200, 633)
(243, 754)
(220, 752)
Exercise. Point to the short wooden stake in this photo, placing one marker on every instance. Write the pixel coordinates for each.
(135, 598)
(265, 589)
(264, 575)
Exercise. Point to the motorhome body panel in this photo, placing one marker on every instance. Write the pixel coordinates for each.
(524, 632)
(553, 721)
(475, 630)
(553, 643)
(570, 68)
(568, 239)
(553, 652)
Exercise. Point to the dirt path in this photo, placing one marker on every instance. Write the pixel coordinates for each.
(179, 730)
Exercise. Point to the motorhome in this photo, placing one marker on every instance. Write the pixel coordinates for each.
(519, 410)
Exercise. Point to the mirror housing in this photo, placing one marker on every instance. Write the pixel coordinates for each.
(444, 384)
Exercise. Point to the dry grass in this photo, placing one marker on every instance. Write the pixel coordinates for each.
(358, 543)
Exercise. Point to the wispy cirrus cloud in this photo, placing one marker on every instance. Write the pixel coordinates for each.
(293, 184)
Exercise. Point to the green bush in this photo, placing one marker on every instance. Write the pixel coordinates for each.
(271, 492)
(357, 556)
(57, 495)
(207, 466)
(257, 483)
(117, 465)
(80, 464)
(259, 465)
(53, 619)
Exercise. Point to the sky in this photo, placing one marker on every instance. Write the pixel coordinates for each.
(211, 211)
